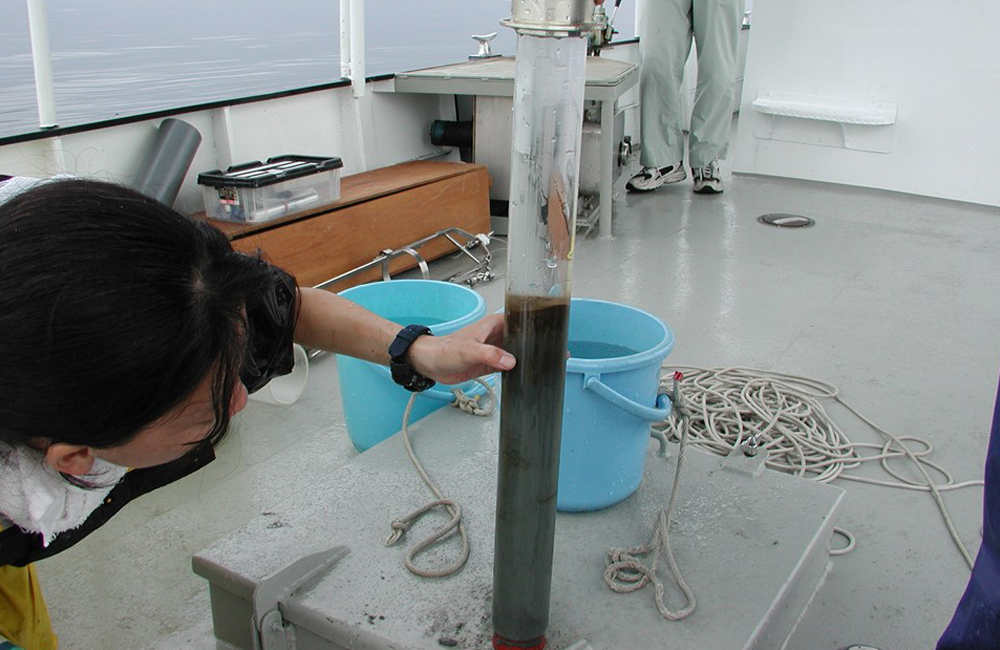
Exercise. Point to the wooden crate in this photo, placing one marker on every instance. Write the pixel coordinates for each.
(385, 208)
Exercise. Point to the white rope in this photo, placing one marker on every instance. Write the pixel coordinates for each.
(782, 413)
(847, 548)
(401, 525)
(625, 573)
(471, 404)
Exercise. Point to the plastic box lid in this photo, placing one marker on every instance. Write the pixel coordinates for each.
(276, 170)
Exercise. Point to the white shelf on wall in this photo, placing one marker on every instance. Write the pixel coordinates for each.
(825, 121)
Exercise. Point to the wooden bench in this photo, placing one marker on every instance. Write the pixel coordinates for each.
(386, 208)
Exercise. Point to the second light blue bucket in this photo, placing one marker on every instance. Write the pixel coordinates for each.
(611, 397)
(373, 403)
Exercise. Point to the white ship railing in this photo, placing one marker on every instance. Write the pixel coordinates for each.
(41, 58)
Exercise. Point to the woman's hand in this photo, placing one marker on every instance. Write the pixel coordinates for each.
(470, 352)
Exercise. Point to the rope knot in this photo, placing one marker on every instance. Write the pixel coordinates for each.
(471, 404)
(399, 528)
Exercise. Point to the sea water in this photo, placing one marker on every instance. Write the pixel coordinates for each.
(117, 58)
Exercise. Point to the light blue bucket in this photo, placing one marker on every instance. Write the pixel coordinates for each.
(611, 398)
(373, 403)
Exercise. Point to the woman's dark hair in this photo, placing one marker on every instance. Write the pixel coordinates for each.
(113, 308)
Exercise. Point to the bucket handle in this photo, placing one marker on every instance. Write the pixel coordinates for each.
(445, 395)
(651, 414)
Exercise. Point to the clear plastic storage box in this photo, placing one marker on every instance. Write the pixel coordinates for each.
(261, 191)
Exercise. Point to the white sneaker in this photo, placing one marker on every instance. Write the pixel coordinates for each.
(651, 178)
(707, 179)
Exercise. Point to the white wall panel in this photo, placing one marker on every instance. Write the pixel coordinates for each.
(938, 63)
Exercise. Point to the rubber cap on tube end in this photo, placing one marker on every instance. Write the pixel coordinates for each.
(500, 643)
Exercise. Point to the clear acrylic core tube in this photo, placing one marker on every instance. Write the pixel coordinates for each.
(548, 122)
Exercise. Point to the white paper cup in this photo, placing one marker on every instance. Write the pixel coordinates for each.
(286, 389)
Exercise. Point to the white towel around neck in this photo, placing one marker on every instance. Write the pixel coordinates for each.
(36, 498)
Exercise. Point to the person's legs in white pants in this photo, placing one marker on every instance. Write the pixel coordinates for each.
(664, 43)
(716, 31)
(666, 28)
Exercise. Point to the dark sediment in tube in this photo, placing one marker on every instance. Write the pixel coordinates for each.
(530, 430)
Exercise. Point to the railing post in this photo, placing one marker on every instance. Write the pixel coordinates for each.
(345, 39)
(42, 61)
(357, 38)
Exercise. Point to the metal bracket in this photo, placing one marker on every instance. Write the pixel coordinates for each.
(481, 272)
(269, 630)
(588, 215)
(740, 462)
(388, 255)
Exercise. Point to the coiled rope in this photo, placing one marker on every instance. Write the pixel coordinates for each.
(625, 572)
(782, 413)
(400, 526)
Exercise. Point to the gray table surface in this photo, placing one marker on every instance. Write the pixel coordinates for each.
(738, 540)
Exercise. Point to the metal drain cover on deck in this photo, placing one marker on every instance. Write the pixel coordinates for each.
(785, 220)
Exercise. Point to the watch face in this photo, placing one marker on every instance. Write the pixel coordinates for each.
(409, 378)
(420, 383)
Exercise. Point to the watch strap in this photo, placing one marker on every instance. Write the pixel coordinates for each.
(400, 369)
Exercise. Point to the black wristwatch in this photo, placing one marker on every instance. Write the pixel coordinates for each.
(402, 372)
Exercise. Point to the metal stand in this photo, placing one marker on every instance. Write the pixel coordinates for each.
(480, 272)
(607, 80)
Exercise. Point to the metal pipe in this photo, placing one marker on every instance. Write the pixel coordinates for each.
(548, 124)
(167, 162)
(42, 62)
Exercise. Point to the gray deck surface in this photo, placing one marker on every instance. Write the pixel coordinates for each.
(892, 298)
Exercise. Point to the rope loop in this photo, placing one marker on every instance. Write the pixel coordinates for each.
(846, 534)
(625, 573)
(400, 526)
